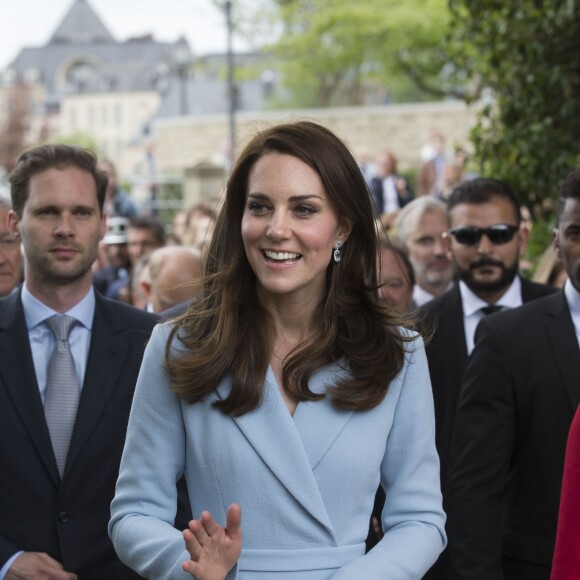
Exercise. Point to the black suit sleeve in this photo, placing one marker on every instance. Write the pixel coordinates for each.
(376, 190)
(481, 451)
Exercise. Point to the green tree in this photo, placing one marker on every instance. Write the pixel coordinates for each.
(80, 139)
(527, 56)
(338, 52)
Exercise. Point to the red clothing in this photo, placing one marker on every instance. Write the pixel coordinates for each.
(566, 564)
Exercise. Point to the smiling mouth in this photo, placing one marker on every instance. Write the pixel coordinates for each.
(288, 257)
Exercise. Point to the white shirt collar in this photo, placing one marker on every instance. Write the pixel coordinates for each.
(511, 298)
(421, 296)
(573, 298)
(36, 312)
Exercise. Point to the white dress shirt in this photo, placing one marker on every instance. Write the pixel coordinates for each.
(390, 195)
(42, 339)
(421, 296)
(573, 299)
(472, 305)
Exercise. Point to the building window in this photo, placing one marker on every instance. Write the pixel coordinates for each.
(32, 74)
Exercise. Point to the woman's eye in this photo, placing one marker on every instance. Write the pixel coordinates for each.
(256, 206)
(305, 210)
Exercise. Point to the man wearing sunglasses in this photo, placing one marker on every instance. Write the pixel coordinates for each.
(485, 242)
(518, 397)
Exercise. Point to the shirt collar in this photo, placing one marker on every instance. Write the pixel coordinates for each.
(422, 296)
(511, 298)
(36, 312)
(573, 299)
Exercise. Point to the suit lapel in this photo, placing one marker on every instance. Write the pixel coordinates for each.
(564, 343)
(19, 377)
(107, 352)
(533, 291)
(452, 332)
(271, 431)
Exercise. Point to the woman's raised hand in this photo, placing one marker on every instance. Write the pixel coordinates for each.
(214, 550)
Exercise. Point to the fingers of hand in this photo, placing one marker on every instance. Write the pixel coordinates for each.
(38, 565)
(210, 526)
(234, 520)
(192, 545)
(191, 568)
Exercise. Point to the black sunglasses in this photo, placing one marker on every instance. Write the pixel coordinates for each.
(497, 234)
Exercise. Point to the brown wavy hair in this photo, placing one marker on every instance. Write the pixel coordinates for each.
(228, 332)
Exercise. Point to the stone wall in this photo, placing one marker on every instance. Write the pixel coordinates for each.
(187, 141)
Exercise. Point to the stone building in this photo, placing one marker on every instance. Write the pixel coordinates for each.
(84, 82)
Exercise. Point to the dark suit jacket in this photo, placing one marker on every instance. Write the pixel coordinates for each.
(39, 512)
(518, 397)
(403, 197)
(447, 357)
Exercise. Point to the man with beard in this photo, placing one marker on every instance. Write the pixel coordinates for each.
(485, 242)
(69, 360)
(518, 397)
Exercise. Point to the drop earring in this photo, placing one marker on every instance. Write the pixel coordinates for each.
(337, 256)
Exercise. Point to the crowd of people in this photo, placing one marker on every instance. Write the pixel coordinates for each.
(333, 376)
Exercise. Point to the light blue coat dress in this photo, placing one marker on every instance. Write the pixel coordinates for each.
(306, 483)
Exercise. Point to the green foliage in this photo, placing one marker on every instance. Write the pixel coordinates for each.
(81, 140)
(169, 200)
(527, 54)
(338, 52)
(540, 239)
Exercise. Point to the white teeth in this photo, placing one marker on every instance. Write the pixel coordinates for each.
(281, 255)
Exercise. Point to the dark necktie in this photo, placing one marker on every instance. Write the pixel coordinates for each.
(62, 389)
(493, 308)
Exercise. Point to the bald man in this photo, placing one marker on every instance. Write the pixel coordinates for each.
(10, 256)
(173, 271)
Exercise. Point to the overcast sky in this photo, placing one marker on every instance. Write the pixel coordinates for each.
(32, 22)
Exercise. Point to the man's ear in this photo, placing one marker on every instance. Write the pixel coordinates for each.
(13, 224)
(146, 288)
(523, 236)
(446, 242)
(104, 218)
(556, 242)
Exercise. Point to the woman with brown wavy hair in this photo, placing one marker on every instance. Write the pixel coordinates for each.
(287, 391)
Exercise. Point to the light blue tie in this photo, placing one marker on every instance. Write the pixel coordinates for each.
(62, 389)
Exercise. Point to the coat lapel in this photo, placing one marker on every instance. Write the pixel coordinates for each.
(18, 375)
(271, 431)
(107, 352)
(562, 338)
(319, 423)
